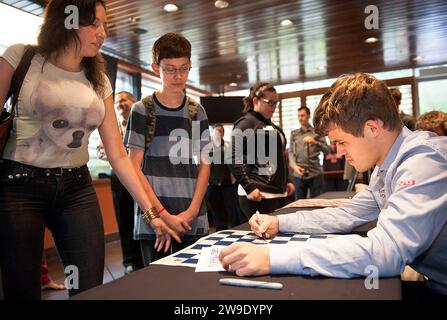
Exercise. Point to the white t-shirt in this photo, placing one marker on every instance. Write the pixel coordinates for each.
(57, 111)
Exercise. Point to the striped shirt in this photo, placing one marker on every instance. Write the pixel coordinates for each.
(170, 164)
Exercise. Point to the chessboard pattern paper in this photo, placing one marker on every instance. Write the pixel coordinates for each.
(189, 256)
(317, 203)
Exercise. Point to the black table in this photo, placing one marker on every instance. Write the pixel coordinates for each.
(158, 282)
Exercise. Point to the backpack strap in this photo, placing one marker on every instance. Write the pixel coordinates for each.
(150, 125)
(148, 102)
(19, 75)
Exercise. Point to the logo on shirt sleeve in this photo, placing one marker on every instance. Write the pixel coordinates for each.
(406, 182)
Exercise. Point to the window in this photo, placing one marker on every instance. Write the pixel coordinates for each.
(289, 115)
(124, 82)
(147, 87)
(29, 26)
(432, 95)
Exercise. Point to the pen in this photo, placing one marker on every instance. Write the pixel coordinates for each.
(260, 220)
(250, 283)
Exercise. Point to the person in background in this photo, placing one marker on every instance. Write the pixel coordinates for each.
(221, 192)
(334, 161)
(434, 121)
(263, 184)
(46, 282)
(304, 151)
(407, 120)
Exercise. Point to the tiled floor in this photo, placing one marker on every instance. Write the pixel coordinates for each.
(113, 270)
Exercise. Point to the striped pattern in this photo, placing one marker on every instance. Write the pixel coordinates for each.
(169, 163)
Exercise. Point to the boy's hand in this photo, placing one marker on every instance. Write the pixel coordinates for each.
(163, 233)
(269, 225)
(188, 216)
(176, 223)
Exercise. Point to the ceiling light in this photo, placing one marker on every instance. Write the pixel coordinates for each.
(170, 7)
(286, 23)
(221, 4)
(233, 84)
(417, 58)
(371, 40)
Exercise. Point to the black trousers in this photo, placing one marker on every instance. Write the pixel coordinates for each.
(124, 213)
(223, 206)
(418, 290)
(315, 185)
(65, 203)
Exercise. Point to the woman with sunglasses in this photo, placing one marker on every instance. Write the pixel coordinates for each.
(258, 154)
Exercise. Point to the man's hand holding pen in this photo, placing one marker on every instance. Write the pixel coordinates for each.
(264, 226)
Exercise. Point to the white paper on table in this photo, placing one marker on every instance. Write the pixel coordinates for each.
(209, 260)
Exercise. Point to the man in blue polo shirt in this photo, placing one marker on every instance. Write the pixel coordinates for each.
(407, 194)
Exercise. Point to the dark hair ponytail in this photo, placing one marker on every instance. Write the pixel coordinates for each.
(257, 91)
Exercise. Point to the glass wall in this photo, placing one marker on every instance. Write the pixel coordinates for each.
(432, 95)
(289, 115)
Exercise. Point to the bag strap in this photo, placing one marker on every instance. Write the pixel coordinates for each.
(150, 125)
(193, 109)
(19, 76)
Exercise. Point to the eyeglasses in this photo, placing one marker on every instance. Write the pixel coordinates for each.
(271, 102)
(172, 70)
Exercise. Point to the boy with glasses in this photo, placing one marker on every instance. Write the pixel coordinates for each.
(178, 181)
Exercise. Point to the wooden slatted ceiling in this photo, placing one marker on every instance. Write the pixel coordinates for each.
(326, 39)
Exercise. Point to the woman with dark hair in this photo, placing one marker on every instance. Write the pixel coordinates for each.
(259, 162)
(44, 180)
